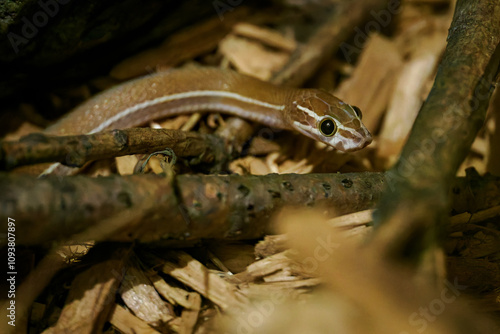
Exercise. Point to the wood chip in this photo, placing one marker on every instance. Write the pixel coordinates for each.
(191, 122)
(261, 146)
(127, 323)
(285, 275)
(235, 256)
(290, 289)
(89, 302)
(187, 44)
(407, 100)
(352, 220)
(192, 273)
(249, 165)
(174, 123)
(271, 244)
(476, 217)
(141, 297)
(266, 266)
(126, 164)
(372, 82)
(266, 36)
(298, 167)
(480, 146)
(251, 57)
(174, 295)
(190, 315)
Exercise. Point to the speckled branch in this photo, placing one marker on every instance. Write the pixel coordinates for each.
(150, 208)
(75, 151)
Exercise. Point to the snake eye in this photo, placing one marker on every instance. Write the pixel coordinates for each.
(358, 112)
(327, 127)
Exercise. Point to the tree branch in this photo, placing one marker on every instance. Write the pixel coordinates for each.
(152, 208)
(75, 151)
(414, 207)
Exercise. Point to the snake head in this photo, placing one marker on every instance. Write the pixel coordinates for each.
(323, 117)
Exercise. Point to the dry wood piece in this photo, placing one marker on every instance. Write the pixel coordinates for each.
(231, 257)
(266, 36)
(251, 58)
(190, 315)
(194, 274)
(141, 297)
(462, 219)
(372, 82)
(127, 323)
(127, 164)
(265, 267)
(283, 291)
(408, 96)
(414, 206)
(308, 58)
(270, 164)
(89, 302)
(185, 45)
(245, 51)
(236, 131)
(174, 295)
(271, 244)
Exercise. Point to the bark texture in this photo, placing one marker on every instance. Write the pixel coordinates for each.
(153, 208)
(415, 204)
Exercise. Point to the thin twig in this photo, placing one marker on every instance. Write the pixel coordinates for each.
(77, 150)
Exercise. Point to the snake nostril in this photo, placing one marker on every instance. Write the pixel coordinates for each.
(367, 141)
(368, 136)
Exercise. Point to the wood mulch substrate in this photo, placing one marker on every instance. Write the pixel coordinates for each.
(312, 269)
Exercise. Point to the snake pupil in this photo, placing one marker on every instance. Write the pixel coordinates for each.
(327, 127)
